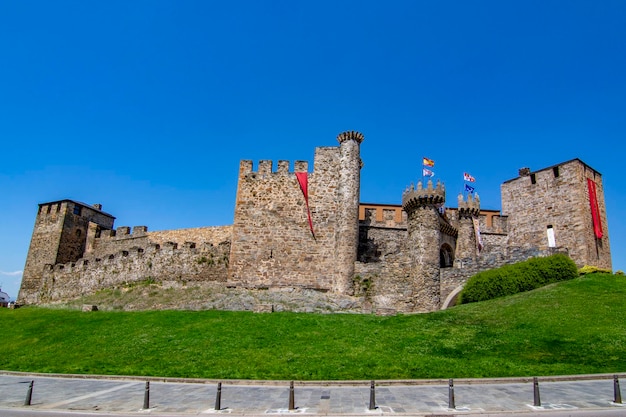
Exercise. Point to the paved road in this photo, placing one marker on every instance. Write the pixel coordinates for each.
(567, 396)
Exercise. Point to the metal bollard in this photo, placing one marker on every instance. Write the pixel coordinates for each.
(617, 394)
(146, 396)
(291, 397)
(537, 402)
(372, 396)
(29, 393)
(451, 403)
(218, 397)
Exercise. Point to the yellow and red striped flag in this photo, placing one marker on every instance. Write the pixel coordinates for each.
(428, 162)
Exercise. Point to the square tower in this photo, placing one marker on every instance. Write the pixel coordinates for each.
(561, 206)
(59, 236)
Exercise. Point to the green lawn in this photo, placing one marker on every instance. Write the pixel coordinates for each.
(573, 327)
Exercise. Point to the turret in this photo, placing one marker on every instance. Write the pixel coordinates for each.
(423, 220)
(468, 211)
(348, 208)
(413, 198)
(469, 208)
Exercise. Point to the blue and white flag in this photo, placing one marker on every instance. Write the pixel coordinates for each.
(469, 188)
(427, 172)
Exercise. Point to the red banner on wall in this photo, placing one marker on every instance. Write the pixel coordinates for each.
(303, 180)
(595, 210)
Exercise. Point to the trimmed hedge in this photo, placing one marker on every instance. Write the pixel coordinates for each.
(519, 277)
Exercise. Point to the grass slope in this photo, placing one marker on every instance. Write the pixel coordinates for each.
(572, 327)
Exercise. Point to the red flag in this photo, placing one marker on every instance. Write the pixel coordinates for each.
(595, 210)
(304, 186)
(468, 177)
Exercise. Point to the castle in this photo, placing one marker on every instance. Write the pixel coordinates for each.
(308, 229)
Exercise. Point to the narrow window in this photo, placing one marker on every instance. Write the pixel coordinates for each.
(555, 170)
(551, 240)
(77, 210)
(533, 179)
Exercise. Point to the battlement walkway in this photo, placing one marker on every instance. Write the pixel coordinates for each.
(550, 396)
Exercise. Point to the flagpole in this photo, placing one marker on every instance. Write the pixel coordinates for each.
(463, 192)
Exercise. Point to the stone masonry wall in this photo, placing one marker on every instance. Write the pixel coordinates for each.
(453, 279)
(272, 244)
(59, 234)
(557, 196)
(157, 263)
(43, 250)
(113, 241)
(383, 272)
(214, 235)
(121, 257)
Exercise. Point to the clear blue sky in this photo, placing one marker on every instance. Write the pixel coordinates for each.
(147, 107)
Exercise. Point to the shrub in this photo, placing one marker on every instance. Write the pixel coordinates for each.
(590, 269)
(519, 277)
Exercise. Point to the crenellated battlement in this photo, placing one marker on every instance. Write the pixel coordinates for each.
(413, 198)
(470, 207)
(156, 263)
(350, 135)
(122, 238)
(136, 252)
(447, 228)
(123, 232)
(265, 167)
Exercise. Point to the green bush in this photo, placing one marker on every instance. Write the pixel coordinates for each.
(519, 277)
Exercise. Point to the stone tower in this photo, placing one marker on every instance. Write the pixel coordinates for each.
(561, 206)
(348, 210)
(273, 245)
(62, 229)
(424, 240)
(466, 244)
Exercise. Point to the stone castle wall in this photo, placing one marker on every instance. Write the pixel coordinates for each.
(156, 263)
(453, 279)
(59, 236)
(90, 257)
(272, 243)
(122, 238)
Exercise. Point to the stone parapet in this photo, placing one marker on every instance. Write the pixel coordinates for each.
(469, 207)
(414, 198)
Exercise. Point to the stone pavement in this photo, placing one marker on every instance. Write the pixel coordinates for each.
(248, 398)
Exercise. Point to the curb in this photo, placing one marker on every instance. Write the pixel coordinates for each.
(381, 382)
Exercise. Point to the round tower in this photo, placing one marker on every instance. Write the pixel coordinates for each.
(348, 208)
(468, 211)
(423, 220)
